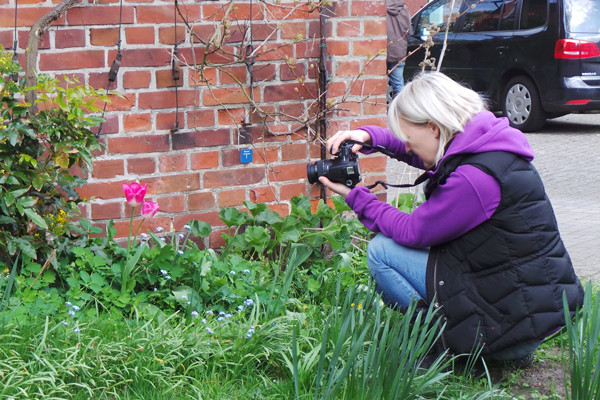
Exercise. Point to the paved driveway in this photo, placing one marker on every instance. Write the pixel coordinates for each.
(567, 155)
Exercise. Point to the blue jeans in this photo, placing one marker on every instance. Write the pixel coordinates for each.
(396, 77)
(398, 271)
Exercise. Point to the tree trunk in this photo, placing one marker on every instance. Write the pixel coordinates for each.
(31, 52)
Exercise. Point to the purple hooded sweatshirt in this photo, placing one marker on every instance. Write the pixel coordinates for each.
(467, 198)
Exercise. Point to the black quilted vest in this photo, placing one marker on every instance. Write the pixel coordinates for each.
(502, 283)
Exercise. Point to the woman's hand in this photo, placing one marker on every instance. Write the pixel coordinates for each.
(338, 188)
(333, 143)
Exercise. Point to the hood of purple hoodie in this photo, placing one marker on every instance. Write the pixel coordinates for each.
(486, 132)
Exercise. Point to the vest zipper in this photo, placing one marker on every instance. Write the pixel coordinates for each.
(436, 304)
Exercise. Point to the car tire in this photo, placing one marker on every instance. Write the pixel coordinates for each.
(521, 104)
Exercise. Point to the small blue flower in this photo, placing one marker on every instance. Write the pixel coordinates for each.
(209, 312)
(167, 277)
(241, 308)
(248, 335)
(246, 271)
(251, 330)
(181, 236)
(162, 271)
(71, 313)
(183, 297)
(159, 229)
(222, 313)
(248, 302)
(76, 308)
(68, 303)
(187, 227)
(76, 330)
(209, 330)
(180, 252)
(65, 323)
(144, 236)
(194, 314)
(231, 272)
(228, 315)
(203, 320)
(220, 319)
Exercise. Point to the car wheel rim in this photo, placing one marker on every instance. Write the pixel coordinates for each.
(518, 104)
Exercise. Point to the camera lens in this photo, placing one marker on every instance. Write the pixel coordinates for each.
(311, 172)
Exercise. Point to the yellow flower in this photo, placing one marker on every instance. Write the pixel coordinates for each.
(6, 271)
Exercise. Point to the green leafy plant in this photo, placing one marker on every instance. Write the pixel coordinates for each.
(40, 156)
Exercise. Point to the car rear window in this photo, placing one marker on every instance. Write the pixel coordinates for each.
(582, 16)
(533, 13)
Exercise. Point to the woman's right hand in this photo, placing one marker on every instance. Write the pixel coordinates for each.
(334, 142)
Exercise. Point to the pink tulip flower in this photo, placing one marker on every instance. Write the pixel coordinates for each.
(134, 193)
(149, 209)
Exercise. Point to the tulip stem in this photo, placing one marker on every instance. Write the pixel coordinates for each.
(130, 226)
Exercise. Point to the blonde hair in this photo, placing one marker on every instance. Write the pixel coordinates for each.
(433, 97)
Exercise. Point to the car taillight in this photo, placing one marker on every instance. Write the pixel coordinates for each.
(571, 48)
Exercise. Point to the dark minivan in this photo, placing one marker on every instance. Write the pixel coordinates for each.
(533, 59)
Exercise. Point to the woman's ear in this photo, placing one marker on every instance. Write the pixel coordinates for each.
(434, 129)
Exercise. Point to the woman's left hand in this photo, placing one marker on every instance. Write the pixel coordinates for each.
(338, 188)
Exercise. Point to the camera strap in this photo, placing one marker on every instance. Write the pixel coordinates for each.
(420, 179)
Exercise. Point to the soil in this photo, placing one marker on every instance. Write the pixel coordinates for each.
(544, 379)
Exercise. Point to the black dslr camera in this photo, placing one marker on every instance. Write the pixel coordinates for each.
(343, 168)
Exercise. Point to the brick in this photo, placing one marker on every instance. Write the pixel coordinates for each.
(350, 28)
(376, 66)
(266, 155)
(241, 11)
(368, 8)
(167, 120)
(208, 137)
(232, 116)
(231, 198)
(233, 177)
(172, 163)
(263, 31)
(293, 30)
(164, 78)
(99, 15)
(236, 74)
(372, 164)
(204, 160)
(201, 201)
(280, 208)
(138, 144)
(288, 92)
(171, 204)
(66, 38)
(342, 48)
(289, 10)
(102, 190)
(347, 68)
(369, 86)
(6, 39)
(110, 125)
(146, 57)
(375, 27)
(166, 35)
(139, 35)
(173, 183)
(165, 99)
(156, 14)
(287, 172)
(57, 61)
(234, 95)
(204, 76)
(104, 36)
(286, 192)
(202, 32)
(215, 238)
(99, 80)
(375, 106)
(123, 102)
(136, 79)
(289, 72)
(307, 49)
(141, 166)
(368, 48)
(265, 72)
(263, 194)
(107, 169)
(292, 111)
(137, 122)
(294, 151)
(106, 210)
(26, 16)
(274, 52)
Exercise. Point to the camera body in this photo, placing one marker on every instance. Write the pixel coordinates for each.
(343, 168)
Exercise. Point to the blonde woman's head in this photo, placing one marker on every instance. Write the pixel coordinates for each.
(433, 98)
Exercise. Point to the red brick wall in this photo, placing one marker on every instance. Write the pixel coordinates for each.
(196, 170)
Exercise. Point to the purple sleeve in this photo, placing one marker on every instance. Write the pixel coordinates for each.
(385, 138)
(467, 198)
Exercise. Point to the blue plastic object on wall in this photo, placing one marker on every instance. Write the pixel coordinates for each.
(246, 156)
